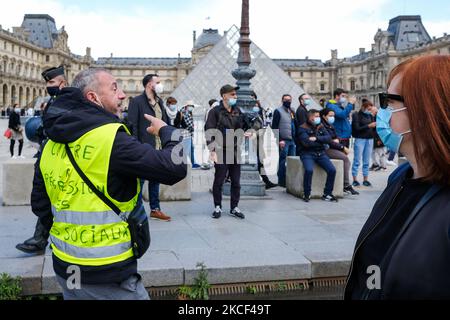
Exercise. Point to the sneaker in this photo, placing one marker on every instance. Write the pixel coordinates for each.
(159, 215)
(391, 163)
(270, 185)
(356, 184)
(367, 184)
(22, 157)
(349, 189)
(14, 157)
(217, 213)
(329, 198)
(306, 198)
(237, 213)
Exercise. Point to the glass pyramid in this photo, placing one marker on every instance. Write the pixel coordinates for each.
(214, 71)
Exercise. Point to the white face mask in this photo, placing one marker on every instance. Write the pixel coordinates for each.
(159, 88)
(17, 110)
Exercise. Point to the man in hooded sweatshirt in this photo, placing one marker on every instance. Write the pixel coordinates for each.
(89, 239)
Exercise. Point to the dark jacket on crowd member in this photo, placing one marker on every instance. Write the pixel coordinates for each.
(219, 118)
(407, 237)
(377, 142)
(72, 116)
(136, 110)
(332, 131)
(360, 125)
(307, 131)
(179, 122)
(301, 115)
(14, 121)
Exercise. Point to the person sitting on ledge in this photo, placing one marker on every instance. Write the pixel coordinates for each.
(314, 139)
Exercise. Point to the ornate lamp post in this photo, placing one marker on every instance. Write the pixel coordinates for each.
(251, 184)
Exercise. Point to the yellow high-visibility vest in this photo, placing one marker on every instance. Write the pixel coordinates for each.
(85, 230)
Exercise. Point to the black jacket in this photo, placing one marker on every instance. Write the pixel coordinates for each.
(419, 261)
(219, 118)
(307, 131)
(360, 125)
(332, 131)
(14, 121)
(69, 118)
(377, 142)
(136, 110)
(301, 115)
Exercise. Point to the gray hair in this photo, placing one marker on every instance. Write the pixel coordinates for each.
(88, 79)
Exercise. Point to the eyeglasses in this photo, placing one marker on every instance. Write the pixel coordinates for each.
(385, 97)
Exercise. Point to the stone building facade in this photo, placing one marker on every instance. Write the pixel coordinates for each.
(37, 44)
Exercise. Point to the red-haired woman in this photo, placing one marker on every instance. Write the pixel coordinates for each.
(403, 250)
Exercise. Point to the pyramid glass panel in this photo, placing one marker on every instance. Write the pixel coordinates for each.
(215, 69)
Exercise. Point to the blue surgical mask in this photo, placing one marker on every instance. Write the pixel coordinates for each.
(343, 100)
(331, 120)
(232, 102)
(391, 139)
(173, 107)
(307, 102)
(317, 121)
(256, 109)
(190, 109)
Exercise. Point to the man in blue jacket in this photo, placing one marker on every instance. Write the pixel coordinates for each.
(314, 139)
(342, 108)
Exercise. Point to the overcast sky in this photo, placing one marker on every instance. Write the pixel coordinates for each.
(282, 28)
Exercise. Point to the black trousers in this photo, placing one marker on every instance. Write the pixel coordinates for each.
(234, 171)
(11, 147)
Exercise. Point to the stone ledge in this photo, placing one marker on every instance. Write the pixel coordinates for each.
(17, 182)
(295, 174)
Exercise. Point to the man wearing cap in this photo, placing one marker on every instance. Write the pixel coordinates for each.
(221, 119)
(149, 103)
(55, 82)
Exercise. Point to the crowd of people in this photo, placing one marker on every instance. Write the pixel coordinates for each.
(119, 154)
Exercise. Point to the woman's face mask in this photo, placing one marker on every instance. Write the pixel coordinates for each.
(392, 140)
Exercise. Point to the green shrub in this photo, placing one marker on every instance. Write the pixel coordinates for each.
(10, 288)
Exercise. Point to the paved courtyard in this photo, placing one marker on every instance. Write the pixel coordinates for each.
(281, 239)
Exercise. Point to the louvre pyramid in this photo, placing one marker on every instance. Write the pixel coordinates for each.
(214, 71)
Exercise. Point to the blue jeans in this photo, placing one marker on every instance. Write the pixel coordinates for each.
(363, 148)
(308, 159)
(153, 194)
(188, 145)
(287, 151)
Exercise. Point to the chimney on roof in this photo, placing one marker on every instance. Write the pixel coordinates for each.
(88, 52)
(194, 38)
(111, 55)
(362, 50)
(306, 58)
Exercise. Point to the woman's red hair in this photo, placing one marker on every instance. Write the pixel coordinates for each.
(426, 90)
